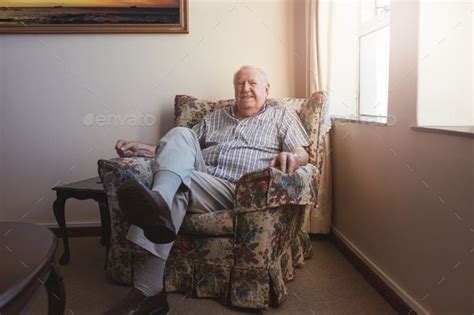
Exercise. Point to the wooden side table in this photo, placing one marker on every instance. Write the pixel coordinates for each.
(86, 189)
(27, 252)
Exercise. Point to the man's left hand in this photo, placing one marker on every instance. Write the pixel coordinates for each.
(287, 162)
(290, 161)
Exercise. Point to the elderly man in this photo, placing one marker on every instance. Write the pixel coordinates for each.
(196, 170)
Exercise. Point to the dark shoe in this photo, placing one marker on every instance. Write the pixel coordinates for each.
(135, 303)
(148, 210)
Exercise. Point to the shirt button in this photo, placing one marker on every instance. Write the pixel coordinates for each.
(236, 137)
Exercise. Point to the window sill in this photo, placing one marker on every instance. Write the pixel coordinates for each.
(366, 120)
(464, 131)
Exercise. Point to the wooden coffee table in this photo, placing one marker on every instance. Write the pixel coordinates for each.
(27, 256)
(85, 189)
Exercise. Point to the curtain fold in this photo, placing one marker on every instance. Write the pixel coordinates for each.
(318, 64)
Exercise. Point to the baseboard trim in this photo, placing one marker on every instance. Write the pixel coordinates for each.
(78, 230)
(396, 296)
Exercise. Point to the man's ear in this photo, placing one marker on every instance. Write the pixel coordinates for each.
(267, 89)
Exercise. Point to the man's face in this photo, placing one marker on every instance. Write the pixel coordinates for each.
(251, 91)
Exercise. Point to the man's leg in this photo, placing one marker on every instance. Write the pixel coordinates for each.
(178, 154)
(149, 279)
(179, 163)
(207, 193)
(178, 160)
(210, 193)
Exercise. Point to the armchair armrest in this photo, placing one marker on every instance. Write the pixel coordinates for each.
(113, 172)
(271, 188)
(269, 241)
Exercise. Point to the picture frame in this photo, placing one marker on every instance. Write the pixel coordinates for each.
(78, 16)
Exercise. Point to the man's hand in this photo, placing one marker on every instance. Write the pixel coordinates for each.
(290, 161)
(126, 148)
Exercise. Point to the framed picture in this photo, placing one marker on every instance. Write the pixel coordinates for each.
(94, 16)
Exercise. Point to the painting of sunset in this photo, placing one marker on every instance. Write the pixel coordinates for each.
(33, 13)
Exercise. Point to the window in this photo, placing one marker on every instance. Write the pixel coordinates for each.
(374, 38)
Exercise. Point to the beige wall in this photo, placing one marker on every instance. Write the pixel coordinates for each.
(51, 82)
(404, 198)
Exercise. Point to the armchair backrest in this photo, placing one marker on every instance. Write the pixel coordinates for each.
(313, 114)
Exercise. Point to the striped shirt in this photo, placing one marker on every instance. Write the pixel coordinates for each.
(233, 147)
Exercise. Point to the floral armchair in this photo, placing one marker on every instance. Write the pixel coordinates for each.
(244, 255)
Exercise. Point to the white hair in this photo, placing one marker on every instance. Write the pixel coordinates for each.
(262, 73)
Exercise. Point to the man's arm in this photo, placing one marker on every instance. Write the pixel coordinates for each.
(293, 139)
(134, 149)
(290, 161)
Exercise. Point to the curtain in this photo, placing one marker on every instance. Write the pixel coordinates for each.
(318, 45)
(318, 64)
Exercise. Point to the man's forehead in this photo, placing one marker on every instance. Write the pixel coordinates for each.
(249, 74)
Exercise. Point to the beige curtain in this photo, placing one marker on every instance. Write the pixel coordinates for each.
(318, 45)
(318, 63)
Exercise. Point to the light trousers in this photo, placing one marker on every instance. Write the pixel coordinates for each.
(179, 152)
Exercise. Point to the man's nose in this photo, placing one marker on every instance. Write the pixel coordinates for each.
(246, 86)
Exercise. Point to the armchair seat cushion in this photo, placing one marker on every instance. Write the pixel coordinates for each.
(217, 223)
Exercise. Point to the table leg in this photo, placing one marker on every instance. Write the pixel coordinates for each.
(56, 293)
(58, 208)
(105, 221)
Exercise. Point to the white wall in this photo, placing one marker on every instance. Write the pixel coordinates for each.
(445, 64)
(51, 82)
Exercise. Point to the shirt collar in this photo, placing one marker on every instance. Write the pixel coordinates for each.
(232, 112)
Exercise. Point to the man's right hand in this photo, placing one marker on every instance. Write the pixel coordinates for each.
(126, 148)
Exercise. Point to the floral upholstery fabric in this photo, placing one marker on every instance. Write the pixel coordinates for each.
(190, 110)
(314, 115)
(272, 188)
(215, 223)
(315, 119)
(242, 256)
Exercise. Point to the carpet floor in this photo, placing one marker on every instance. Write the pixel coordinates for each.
(327, 284)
